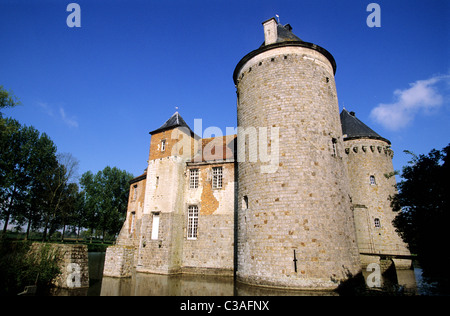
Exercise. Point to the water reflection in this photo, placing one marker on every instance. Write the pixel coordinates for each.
(406, 282)
(143, 284)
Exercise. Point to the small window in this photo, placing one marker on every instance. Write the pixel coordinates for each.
(163, 145)
(334, 146)
(372, 180)
(377, 223)
(193, 178)
(135, 192)
(157, 180)
(217, 178)
(192, 228)
(245, 202)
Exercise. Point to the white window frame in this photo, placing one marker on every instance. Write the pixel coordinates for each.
(217, 178)
(372, 180)
(193, 178)
(163, 145)
(155, 226)
(192, 226)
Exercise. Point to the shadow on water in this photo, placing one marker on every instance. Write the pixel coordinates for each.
(397, 282)
(141, 284)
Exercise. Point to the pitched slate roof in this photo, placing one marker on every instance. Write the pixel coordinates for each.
(284, 34)
(353, 128)
(174, 121)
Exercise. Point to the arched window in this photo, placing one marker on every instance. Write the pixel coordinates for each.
(372, 180)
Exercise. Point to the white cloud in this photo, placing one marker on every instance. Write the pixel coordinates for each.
(69, 121)
(422, 97)
(46, 108)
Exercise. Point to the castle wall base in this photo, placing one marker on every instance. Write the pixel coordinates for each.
(119, 261)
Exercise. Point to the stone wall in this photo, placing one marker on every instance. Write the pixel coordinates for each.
(212, 250)
(304, 205)
(366, 158)
(73, 264)
(119, 261)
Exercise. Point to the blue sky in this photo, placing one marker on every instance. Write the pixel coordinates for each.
(99, 89)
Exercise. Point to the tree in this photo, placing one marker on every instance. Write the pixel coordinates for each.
(55, 182)
(423, 206)
(7, 99)
(106, 199)
(26, 154)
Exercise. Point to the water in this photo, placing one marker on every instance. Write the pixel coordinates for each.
(406, 282)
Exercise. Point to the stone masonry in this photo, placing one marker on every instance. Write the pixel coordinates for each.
(297, 199)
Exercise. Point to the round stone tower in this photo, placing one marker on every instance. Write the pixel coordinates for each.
(295, 223)
(369, 162)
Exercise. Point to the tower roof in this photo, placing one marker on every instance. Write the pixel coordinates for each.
(283, 37)
(284, 34)
(174, 121)
(353, 128)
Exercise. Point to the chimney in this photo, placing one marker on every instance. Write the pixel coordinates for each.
(270, 31)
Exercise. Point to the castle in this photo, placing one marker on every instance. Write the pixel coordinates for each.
(297, 198)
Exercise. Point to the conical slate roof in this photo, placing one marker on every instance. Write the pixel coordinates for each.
(285, 37)
(174, 121)
(353, 128)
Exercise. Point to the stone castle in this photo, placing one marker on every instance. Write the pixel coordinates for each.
(297, 198)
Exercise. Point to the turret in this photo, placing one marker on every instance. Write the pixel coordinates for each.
(368, 157)
(295, 223)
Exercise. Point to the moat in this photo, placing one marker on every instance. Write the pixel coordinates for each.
(408, 282)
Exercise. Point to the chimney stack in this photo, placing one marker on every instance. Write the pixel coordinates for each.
(270, 31)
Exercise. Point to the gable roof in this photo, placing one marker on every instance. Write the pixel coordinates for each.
(353, 128)
(284, 34)
(174, 121)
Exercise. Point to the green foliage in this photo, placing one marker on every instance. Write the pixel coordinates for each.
(37, 186)
(423, 206)
(26, 156)
(7, 99)
(20, 267)
(106, 198)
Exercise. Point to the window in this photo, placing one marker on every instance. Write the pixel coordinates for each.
(135, 192)
(245, 202)
(193, 178)
(192, 222)
(372, 180)
(131, 228)
(155, 226)
(334, 146)
(217, 178)
(377, 223)
(163, 145)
